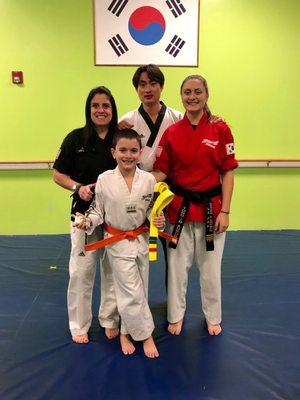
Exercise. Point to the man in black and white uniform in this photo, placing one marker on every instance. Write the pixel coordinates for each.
(151, 119)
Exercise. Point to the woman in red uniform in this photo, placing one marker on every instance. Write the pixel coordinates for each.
(198, 158)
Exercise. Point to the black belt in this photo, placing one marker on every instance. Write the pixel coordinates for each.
(195, 197)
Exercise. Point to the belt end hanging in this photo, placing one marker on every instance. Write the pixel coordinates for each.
(209, 241)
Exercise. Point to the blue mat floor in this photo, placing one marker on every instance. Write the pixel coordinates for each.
(257, 356)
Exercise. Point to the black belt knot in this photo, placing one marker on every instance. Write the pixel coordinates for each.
(195, 197)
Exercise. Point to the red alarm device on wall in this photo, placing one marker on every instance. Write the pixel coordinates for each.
(17, 77)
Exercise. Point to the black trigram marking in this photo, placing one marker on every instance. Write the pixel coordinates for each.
(118, 45)
(117, 6)
(176, 7)
(175, 46)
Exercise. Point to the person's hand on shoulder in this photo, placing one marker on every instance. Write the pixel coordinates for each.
(215, 118)
(124, 124)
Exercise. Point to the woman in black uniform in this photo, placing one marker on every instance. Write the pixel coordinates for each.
(83, 155)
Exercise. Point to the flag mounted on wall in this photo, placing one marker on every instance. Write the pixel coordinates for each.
(131, 32)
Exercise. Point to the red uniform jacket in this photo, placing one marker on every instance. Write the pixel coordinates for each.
(194, 160)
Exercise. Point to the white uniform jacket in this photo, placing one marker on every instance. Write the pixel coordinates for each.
(144, 126)
(122, 209)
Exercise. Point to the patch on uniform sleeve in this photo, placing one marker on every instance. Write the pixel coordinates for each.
(158, 151)
(229, 148)
(57, 155)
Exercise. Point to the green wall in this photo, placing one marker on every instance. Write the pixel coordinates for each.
(249, 53)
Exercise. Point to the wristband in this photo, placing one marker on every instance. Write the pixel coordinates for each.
(225, 212)
(75, 187)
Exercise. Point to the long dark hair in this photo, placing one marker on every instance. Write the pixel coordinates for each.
(89, 127)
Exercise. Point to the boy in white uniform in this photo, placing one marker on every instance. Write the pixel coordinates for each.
(122, 199)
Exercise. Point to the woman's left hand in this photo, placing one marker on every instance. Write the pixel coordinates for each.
(86, 192)
(160, 222)
(222, 223)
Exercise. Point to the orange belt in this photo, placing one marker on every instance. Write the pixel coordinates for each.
(118, 235)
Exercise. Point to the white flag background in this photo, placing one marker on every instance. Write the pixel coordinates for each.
(135, 32)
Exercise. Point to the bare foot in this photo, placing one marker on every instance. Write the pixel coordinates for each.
(81, 338)
(111, 333)
(214, 329)
(150, 349)
(126, 344)
(175, 328)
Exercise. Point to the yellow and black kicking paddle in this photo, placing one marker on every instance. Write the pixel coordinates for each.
(162, 197)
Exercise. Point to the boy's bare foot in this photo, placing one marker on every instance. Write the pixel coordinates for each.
(175, 328)
(111, 333)
(81, 338)
(214, 329)
(126, 344)
(150, 349)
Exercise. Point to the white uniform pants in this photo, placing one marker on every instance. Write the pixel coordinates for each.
(131, 287)
(191, 246)
(82, 269)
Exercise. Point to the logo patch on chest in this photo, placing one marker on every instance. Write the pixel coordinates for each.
(131, 208)
(210, 143)
(147, 197)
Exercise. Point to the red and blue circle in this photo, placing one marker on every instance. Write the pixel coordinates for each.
(146, 25)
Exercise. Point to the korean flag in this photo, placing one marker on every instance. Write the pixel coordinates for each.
(132, 32)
